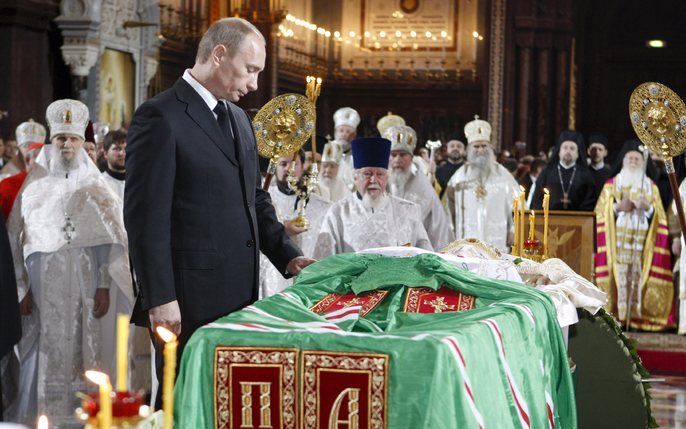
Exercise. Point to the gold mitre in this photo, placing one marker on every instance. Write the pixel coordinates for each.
(332, 153)
(30, 132)
(67, 117)
(388, 121)
(477, 130)
(402, 138)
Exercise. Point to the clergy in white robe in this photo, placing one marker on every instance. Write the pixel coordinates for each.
(480, 193)
(370, 217)
(287, 205)
(331, 185)
(406, 180)
(70, 253)
(346, 120)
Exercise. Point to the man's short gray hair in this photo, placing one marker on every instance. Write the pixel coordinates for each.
(229, 32)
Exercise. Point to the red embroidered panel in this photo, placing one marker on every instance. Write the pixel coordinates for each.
(337, 301)
(255, 387)
(344, 390)
(427, 300)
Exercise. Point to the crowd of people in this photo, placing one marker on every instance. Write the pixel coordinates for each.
(167, 220)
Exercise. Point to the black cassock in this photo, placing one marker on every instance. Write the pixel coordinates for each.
(580, 192)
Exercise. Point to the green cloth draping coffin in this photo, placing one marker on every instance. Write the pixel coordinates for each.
(368, 341)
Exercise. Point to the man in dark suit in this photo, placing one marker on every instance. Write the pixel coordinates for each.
(194, 210)
(10, 320)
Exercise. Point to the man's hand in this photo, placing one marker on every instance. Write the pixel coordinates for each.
(643, 204)
(167, 315)
(101, 302)
(676, 247)
(26, 304)
(292, 229)
(625, 205)
(298, 263)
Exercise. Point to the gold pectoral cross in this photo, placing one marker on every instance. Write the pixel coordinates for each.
(566, 201)
(480, 191)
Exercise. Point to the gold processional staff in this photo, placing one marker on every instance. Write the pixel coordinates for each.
(658, 116)
(282, 126)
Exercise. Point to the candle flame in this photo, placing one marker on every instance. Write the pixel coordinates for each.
(546, 191)
(166, 335)
(43, 422)
(144, 411)
(97, 377)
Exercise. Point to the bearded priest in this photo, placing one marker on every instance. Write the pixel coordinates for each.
(480, 194)
(71, 262)
(407, 181)
(633, 261)
(370, 217)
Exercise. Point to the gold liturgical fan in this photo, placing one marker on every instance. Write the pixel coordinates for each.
(658, 116)
(281, 127)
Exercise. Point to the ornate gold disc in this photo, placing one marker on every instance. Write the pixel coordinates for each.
(283, 125)
(658, 116)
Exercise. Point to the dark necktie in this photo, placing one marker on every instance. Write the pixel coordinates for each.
(225, 124)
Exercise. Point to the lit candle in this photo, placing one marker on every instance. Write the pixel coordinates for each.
(43, 422)
(169, 374)
(103, 382)
(532, 222)
(444, 35)
(522, 227)
(475, 35)
(515, 213)
(122, 351)
(546, 208)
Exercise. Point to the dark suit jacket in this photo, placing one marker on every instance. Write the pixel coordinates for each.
(194, 210)
(10, 320)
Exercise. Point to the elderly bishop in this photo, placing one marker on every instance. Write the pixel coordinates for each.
(407, 181)
(370, 217)
(70, 257)
(479, 195)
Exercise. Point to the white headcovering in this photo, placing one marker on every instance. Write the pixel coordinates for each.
(346, 116)
(477, 130)
(30, 132)
(67, 117)
(388, 121)
(332, 153)
(402, 138)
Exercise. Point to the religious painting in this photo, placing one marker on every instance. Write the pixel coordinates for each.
(409, 24)
(571, 235)
(255, 387)
(117, 88)
(342, 389)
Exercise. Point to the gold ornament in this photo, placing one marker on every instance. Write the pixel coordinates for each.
(658, 116)
(283, 125)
